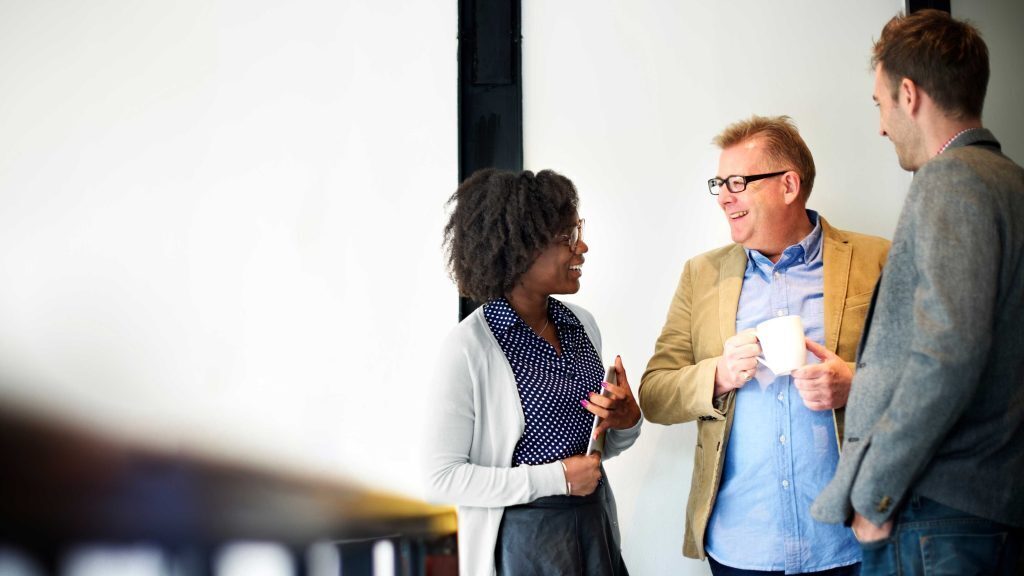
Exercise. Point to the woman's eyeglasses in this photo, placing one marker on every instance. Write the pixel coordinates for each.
(572, 239)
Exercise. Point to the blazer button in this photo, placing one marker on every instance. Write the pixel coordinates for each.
(883, 504)
(861, 364)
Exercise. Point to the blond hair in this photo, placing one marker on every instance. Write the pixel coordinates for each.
(785, 148)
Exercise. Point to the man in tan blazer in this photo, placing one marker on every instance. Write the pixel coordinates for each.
(766, 444)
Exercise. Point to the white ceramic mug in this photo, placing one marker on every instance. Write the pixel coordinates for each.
(782, 344)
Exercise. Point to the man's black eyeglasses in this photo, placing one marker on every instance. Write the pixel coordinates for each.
(737, 183)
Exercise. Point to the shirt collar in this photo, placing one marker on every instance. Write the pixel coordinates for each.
(502, 316)
(561, 315)
(806, 250)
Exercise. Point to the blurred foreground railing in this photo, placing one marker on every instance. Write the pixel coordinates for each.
(74, 502)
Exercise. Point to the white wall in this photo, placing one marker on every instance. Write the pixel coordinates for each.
(624, 98)
(220, 221)
(1001, 22)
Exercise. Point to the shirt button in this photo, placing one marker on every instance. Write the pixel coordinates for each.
(782, 439)
(777, 274)
(785, 483)
(781, 397)
(780, 312)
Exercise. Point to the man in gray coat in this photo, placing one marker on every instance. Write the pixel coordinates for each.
(931, 470)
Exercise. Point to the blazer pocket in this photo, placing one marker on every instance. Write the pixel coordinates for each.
(858, 300)
(855, 315)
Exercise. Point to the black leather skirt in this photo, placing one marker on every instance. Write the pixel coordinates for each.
(563, 535)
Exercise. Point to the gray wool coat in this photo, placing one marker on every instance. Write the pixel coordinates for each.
(937, 403)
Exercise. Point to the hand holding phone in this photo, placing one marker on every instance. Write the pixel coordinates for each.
(617, 406)
(595, 443)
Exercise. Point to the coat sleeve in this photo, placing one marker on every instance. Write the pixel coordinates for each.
(677, 386)
(455, 423)
(617, 441)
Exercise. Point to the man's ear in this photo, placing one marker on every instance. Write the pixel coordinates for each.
(791, 180)
(909, 96)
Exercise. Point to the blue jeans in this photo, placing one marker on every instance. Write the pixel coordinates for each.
(719, 569)
(931, 539)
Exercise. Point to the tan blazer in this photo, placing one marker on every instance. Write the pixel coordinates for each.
(678, 385)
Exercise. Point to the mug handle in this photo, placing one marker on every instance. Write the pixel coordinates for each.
(760, 357)
(767, 365)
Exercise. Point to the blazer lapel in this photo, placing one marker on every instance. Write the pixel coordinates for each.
(836, 270)
(730, 282)
(837, 257)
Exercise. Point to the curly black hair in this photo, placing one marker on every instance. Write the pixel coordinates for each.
(500, 223)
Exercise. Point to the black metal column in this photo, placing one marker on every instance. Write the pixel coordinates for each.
(915, 5)
(490, 91)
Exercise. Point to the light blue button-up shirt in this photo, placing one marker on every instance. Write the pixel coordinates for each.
(780, 453)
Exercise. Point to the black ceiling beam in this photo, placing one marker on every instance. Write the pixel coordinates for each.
(490, 91)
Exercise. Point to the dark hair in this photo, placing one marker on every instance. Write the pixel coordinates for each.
(500, 223)
(784, 148)
(945, 57)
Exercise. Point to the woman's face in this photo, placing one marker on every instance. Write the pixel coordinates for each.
(558, 268)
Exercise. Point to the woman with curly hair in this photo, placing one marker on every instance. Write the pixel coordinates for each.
(518, 385)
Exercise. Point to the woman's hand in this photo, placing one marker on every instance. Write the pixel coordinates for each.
(617, 406)
(582, 473)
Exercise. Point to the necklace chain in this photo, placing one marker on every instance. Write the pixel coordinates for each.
(544, 329)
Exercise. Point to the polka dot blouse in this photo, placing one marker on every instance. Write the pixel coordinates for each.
(550, 386)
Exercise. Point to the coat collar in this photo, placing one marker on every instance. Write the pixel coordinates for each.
(972, 137)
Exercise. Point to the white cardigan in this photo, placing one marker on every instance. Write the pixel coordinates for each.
(472, 430)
